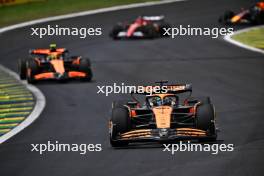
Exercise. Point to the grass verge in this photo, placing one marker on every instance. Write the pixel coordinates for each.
(16, 102)
(34, 10)
(254, 38)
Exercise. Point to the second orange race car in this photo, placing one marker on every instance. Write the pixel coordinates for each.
(54, 63)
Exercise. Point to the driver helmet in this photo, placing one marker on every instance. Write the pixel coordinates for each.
(169, 101)
(140, 20)
(156, 101)
(53, 47)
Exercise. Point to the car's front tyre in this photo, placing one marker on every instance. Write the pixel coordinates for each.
(205, 119)
(120, 123)
(32, 69)
(225, 19)
(85, 66)
(115, 31)
(22, 69)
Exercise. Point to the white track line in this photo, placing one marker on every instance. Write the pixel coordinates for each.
(38, 108)
(85, 13)
(40, 99)
(229, 39)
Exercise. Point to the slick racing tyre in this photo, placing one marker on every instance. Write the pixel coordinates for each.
(120, 123)
(85, 66)
(149, 31)
(257, 17)
(225, 19)
(22, 69)
(205, 117)
(116, 29)
(32, 69)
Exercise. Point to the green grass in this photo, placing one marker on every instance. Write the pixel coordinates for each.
(24, 12)
(254, 38)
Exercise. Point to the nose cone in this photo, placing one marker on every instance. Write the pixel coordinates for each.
(163, 116)
(132, 29)
(58, 66)
(163, 132)
(60, 76)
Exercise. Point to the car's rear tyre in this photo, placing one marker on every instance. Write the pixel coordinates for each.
(205, 120)
(149, 31)
(258, 18)
(85, 66)
(120, 123)
(22, 69)
(225, 19)
(32, 70)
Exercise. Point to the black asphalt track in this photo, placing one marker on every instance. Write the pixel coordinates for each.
(233, 77)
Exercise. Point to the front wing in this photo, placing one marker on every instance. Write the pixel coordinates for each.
(57, 76)
(136, 34)
(163, 135)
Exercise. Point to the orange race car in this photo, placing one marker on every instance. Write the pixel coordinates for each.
(54, 63)
(162, 117)
(253, 15)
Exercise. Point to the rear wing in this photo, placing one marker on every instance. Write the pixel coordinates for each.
(179, 88)
(163, 89)
(153, 18)
(46, 51)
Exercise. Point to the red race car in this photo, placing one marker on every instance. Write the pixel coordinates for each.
(142, 27)
(54, 63)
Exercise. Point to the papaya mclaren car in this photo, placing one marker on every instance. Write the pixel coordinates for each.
(162, 117)
(142, 27)
(254, 15)
(54, 63)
